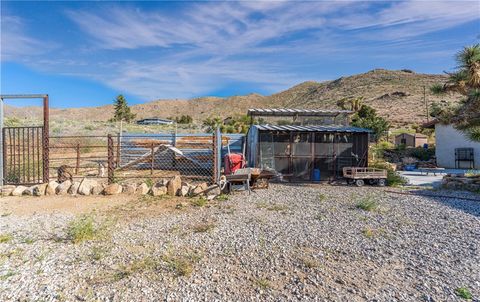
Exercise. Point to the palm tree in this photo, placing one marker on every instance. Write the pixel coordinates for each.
(466, 81)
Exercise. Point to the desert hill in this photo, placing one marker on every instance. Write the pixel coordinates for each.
(397, 95)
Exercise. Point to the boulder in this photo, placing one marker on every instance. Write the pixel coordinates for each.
(174, 185)
(86, 186)
(211, 197)
(142, 189)
(203, 186)
(74, 188)
(196, 191)
(130, 188)
(184, 190)
(215, 191)
(19, 191)
(63, 188)
(39, 190)
(29, 191)
(51, 188)
(113, 189)
(97, 189)
(159, 189)
(7, 190)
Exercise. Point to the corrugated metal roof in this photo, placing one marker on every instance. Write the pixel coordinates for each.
(295, 112)
(324, 128)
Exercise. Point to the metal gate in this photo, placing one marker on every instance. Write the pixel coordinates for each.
(23, 155)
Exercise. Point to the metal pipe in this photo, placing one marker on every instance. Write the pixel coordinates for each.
(1, 142)
(23, 96)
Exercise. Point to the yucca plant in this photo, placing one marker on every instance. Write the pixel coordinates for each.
(466, 81)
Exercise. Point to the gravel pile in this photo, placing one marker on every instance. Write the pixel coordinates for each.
(285, 243)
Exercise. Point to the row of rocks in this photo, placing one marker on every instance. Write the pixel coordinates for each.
(455, 182)
(173, 187)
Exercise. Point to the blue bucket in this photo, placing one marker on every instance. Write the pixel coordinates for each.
(316, 175)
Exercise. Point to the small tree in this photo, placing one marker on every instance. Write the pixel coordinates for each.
(122, 111)
(367, 117)
(184, 119)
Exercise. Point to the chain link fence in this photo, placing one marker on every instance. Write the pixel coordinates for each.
(194, 157)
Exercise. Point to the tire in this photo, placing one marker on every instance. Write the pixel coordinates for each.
(382, 182)
(359, 182)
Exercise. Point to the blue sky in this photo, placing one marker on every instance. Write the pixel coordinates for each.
(85, 53)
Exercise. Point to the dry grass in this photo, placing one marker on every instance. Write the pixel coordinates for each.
(203, 227)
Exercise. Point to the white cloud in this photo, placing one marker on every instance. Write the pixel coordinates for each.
(174, 79)
(207, 45)
(15, 42)
(413, 18)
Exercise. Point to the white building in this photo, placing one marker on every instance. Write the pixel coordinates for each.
(453, 149)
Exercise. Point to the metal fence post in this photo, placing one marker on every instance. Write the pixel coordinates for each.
(110, 159)
(152, 160)
(214, 159)
(46, 141)
(119, 143)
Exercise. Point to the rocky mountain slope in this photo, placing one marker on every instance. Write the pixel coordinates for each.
(397, 95)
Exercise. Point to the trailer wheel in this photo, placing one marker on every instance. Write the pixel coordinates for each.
(382, 182)
(359, 182)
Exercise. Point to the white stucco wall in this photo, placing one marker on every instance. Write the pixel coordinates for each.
(447, 139)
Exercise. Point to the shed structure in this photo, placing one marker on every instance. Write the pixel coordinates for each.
(411, 139)
(154, 121)
(300, 152)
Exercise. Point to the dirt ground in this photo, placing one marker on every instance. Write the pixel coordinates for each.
(287, 243)
(76, 205)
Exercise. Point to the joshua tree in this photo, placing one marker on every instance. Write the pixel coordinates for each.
(466, 81)
(351, 103)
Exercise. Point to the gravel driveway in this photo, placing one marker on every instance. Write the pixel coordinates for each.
(309, 243)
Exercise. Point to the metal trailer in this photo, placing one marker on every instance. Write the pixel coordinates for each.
(358, 176)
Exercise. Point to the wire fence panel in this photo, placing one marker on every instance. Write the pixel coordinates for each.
(80, 156)
(166, 155)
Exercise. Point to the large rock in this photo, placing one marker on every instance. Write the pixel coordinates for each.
(86, 186)
(174, 185)
(112, 189)
(39, 190)
(74, 188)
(51, 188)
(97, 189)
(130, 188)
(159, 189)
(142, 189)
(196, 191)
(29, 191)
(63, 188)
(7, 190)
(19, 191)
(184, 190)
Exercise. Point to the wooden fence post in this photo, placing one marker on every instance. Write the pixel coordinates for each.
(77, 166)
